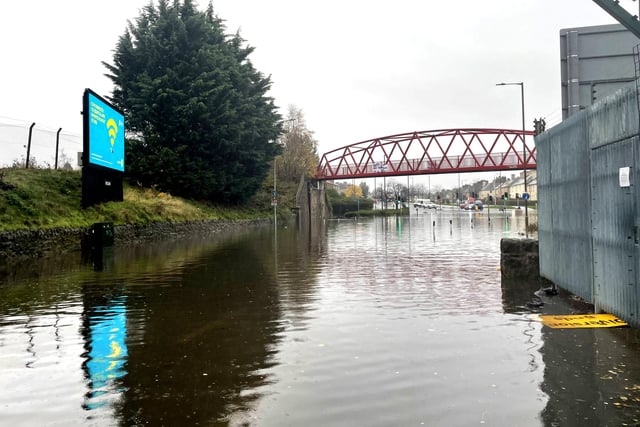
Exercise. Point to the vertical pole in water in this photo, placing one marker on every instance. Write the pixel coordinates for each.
(384, 191)
(524, 166)
(275, 195)
(355, 198)
(408, 193)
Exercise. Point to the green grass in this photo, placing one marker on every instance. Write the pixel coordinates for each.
(46, 198)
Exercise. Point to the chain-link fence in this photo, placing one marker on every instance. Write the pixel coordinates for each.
(27, 143)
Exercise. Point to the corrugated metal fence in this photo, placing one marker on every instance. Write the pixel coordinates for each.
(588, 218)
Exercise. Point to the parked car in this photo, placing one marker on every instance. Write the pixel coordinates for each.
(470, 206)
(477, 206)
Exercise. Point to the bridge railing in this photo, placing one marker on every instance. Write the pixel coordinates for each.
(429, 152)
(498, 161)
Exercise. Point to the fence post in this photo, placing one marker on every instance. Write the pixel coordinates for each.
(57, 145)
(29, 144)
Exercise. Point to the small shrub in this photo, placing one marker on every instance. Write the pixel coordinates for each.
(5, 185)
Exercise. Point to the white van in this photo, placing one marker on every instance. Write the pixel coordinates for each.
(424, 203)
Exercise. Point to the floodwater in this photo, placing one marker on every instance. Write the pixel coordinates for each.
(375, 322)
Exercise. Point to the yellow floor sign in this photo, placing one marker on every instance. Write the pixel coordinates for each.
(581, 320)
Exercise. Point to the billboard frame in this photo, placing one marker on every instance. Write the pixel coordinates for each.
(101, 182)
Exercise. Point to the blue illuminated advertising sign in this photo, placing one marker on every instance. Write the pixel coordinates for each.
(104, 133)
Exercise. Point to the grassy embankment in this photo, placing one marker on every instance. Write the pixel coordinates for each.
(45, 198)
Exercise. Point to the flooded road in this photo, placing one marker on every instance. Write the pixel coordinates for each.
(376, 322)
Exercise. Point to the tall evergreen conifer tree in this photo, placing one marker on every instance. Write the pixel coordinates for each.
(199, 121)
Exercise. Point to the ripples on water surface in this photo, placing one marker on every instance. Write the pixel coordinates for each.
(384, 322)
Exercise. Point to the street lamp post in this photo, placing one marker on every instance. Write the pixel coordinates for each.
(524, 154)
(274, 195)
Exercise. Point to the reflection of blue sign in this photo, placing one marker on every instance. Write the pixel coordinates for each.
(108, 354)
(106, 134)
(525, 196)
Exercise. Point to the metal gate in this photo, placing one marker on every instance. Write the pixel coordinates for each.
(615, 229)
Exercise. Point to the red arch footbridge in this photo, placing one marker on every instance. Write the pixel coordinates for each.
(431, 152)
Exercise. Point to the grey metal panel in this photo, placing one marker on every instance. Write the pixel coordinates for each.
(621, 67)
(564, 222)
(613, 217)
(599, 54)
(635, 182)
(597, 40)
(613, 118)
(602, 90)
(605, 40)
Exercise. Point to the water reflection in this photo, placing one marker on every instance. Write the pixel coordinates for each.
(387, 321)
(105, 335)
(398, 307)
(211, 336)
(592, 376)
(517, 295)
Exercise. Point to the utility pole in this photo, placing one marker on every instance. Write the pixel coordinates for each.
(524, 154)
(274, 196)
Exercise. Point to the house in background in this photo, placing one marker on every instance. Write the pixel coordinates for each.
(513, 186)
(516, 186)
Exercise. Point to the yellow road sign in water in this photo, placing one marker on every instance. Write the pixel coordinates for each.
(581, 320)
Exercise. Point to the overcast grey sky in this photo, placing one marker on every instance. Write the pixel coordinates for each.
(358, 69)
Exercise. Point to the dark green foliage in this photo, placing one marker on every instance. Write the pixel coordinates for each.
(341, 205)
(198, 119)
(4, 185)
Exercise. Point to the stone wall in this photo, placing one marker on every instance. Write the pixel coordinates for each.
(36, 243)
(519, 258)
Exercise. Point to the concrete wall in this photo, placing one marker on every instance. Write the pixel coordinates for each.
(588, 220)
(313, 205)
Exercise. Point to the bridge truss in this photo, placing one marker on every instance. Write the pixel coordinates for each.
(431, 152)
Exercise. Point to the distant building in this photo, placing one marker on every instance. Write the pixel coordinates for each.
(516, 186)
(487, 190)
(513, 186)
